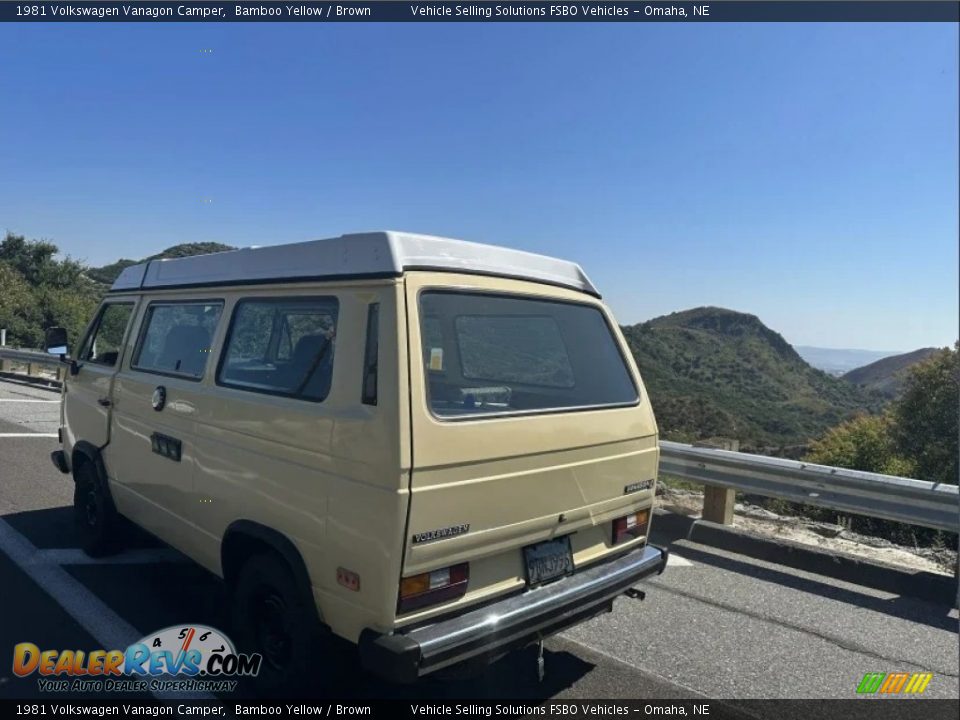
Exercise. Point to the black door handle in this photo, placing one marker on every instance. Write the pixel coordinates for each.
(104, 401)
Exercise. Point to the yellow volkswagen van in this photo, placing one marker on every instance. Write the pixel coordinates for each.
(438, 450)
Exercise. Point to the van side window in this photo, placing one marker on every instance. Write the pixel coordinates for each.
(176, 337)
(369, 395)
(104, 343)
(281, 346)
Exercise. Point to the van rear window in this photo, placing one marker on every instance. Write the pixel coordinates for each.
(489, 354)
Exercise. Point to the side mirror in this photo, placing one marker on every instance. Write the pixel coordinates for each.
(56, 341)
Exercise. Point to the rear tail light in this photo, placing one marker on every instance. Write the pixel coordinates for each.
(433, 587)
(632, 526)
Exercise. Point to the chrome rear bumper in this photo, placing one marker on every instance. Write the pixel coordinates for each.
(406, 655)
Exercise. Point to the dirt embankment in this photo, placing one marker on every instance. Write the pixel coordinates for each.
(760, 521)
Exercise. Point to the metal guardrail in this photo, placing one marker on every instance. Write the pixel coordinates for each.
(927, 504)
(905, 500)
(33, 359)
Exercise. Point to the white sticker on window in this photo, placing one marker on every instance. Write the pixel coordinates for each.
(436, 358)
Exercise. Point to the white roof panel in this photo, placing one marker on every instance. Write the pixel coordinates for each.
(357, 255)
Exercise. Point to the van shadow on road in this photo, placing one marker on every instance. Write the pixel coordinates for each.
(674, 531)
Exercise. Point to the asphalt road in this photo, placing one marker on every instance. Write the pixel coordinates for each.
(714, 625)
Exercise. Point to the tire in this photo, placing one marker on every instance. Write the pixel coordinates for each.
(271, 616)
(94, 513)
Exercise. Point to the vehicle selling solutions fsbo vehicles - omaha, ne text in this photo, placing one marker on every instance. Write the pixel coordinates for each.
(438, 450)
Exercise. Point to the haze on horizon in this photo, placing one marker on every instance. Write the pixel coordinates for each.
(803, 173)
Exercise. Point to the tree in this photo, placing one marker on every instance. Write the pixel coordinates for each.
(926, 427)
(17, 307)
(38, 290)
(70, 308)
(864, 443)
(917, 437)
(27, 258)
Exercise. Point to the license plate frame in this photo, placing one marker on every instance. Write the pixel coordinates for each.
(547, 561)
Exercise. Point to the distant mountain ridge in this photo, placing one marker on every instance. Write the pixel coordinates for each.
(717, 372)
(108, 273)
(886, 376)
(837, 361)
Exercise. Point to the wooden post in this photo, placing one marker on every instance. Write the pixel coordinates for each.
(718, 501)
(718, 504)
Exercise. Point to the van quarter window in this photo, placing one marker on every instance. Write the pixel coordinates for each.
(102, 346)
(370, 353)
(176, 338)
(497, 354)
(282, 346)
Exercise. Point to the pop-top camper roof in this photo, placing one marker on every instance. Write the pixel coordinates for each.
(376, 254)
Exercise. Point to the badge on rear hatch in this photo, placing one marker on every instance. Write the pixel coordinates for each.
(638, 486)
(441, 533)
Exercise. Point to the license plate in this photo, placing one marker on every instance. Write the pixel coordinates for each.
(548, 560)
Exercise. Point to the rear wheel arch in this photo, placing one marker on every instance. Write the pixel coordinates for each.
(245, 539)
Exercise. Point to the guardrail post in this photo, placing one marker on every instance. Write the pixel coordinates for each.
(718, 504)
(718, 501)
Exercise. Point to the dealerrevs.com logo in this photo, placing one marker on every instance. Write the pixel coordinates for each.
(177, 658)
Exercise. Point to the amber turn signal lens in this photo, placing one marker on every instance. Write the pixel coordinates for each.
(414, 585)
(433, 587)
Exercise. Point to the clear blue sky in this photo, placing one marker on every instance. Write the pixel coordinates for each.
(804, 173)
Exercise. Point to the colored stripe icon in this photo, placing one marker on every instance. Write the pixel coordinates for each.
(894, 683)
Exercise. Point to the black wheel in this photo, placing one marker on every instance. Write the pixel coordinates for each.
(271, 616)
(94, 513)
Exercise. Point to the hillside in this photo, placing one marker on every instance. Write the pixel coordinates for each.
(108, 273)
(886, 376)
(716, 372)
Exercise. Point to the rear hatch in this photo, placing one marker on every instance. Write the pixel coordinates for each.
(531, 436)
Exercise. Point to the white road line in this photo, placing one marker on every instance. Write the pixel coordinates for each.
(23, 435)
(75, 556)
(25, 400)
(109, 629)
(678, 561)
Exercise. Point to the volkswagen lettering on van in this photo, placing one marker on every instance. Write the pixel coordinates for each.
(441, 533)
(437, 450)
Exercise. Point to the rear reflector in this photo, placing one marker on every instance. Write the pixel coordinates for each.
(631, 526)
(349, 579)
(433, 587)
